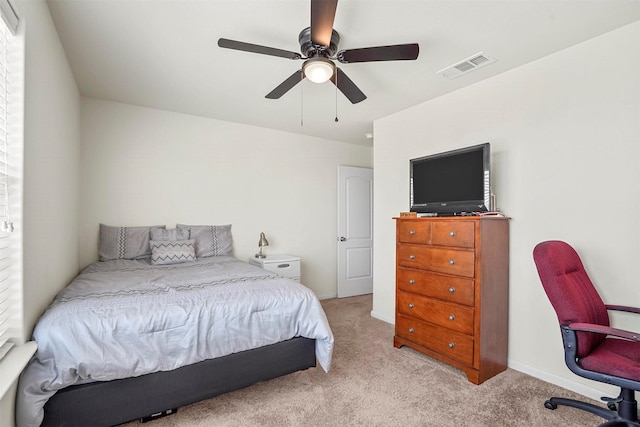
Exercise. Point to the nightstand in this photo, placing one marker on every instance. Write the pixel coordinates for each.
(285, 265)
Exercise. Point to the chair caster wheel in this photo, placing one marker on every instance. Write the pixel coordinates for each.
(549, 405)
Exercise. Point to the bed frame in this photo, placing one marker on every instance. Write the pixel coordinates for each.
(115, 402)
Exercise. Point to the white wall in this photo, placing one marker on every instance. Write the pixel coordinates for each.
(51, 164)
(51, 171)
(142, 166)
(565, 140)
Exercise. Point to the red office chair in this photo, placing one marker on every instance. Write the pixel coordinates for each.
(592, 348)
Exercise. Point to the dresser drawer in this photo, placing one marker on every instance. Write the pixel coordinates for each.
(450, 261)
(448, 288)
(453, 316)
(446, 342)
(453, 233)
(414, 231)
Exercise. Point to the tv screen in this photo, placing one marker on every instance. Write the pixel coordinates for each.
(453, 182)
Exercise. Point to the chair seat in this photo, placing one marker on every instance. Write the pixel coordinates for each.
(617, 357)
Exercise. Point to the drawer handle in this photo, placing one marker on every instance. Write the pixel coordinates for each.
(412, 256)
(451, 345)
(411, 305)
(452, 261)
(452, 233)
(452, 317)
(452, 290)
(411, 330)
(411, 281)
(412, 232)
(284, 265)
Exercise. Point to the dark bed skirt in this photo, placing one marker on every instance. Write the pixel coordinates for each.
(115, 402)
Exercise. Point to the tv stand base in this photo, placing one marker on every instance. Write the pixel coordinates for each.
(444, 214)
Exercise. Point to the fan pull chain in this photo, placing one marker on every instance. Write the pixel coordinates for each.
(301, 99)
(336, 119)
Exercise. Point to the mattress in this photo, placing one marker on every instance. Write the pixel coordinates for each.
(125, 318)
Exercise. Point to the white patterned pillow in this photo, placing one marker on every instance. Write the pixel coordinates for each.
(211, 240)
(172, 252)
(169, 234)
(125, 242)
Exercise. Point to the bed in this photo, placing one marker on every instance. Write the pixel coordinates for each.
(132, 338)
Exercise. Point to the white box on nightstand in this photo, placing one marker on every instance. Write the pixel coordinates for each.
(285, 265)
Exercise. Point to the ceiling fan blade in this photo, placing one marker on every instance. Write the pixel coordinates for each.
(286, 85)
(348, 87)
(398, 52)
(254, 48)
(323, 13)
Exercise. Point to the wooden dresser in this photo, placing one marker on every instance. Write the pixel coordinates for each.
(452, 291)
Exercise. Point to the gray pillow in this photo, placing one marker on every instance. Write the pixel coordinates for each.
(169, 234)
(172, 252)
(211, 240)
(124, 242)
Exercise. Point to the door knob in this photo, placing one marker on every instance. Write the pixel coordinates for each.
(342, 238)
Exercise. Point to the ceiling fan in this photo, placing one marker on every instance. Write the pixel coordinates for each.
(319, 47)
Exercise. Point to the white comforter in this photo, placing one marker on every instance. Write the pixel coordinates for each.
(122, 319)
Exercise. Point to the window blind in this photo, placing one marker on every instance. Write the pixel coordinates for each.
(10, 185)
(9, 16)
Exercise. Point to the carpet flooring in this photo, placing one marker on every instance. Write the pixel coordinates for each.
(371, 383)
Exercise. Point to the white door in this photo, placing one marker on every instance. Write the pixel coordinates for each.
(355, 231)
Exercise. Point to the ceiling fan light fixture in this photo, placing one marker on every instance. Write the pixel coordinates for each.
(318, 70)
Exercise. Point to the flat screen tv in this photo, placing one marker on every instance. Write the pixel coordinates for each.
(451, 183)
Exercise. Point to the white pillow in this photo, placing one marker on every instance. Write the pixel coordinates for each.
(172, 251)
(211, 240)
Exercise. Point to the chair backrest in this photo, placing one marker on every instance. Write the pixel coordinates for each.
(570, 290)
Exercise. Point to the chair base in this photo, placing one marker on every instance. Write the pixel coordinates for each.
(626, 414)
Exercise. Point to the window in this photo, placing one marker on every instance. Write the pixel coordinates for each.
(11, 83)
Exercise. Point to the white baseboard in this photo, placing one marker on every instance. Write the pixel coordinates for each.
(577, 387)
(590, 392)
(382, 317)
(328, 296)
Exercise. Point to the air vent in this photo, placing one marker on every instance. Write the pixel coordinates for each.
(472, 63)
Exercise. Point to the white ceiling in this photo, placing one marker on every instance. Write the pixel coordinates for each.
(163, 53)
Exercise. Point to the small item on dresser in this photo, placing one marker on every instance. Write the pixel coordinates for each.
(409, 214)
(492, 213)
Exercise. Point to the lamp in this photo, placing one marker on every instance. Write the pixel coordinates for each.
(261, 244)
(318, 69)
